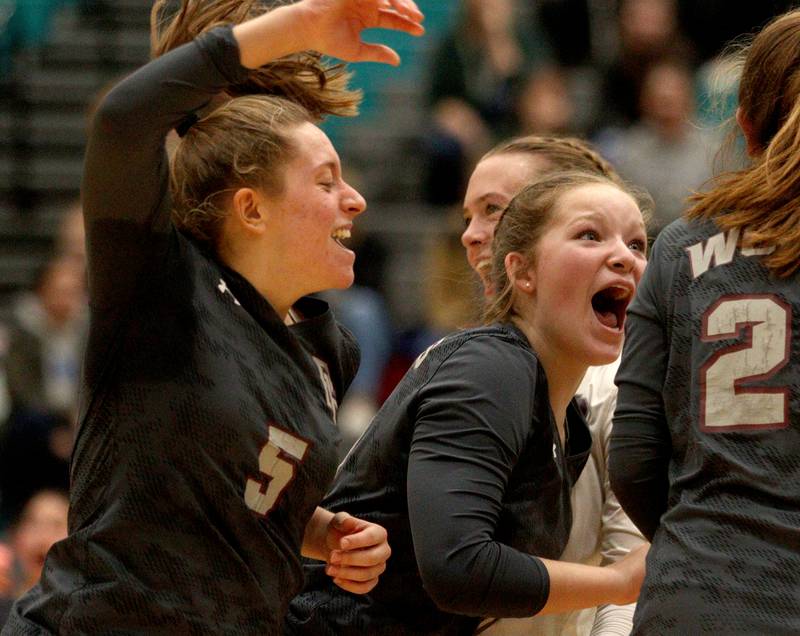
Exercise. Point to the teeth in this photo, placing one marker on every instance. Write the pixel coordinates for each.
(618, 293)
(341, 234)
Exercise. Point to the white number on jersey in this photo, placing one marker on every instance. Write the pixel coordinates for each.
(762, 322)
(277, 462)
(327, 385)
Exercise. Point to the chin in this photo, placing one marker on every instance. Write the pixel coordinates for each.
(599, 352)
(345, 280)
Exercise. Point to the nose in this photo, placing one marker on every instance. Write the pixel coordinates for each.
(622, 258)
(477, 233)
(352, 201)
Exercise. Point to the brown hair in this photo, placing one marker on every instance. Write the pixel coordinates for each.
(524, 222)
(561, 154)
(302, 77)
(243, 143)
(762, 198)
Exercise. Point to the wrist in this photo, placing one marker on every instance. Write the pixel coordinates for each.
(272, 35)
(315, 544)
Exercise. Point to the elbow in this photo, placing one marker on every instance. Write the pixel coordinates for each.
(450, 590)
(115, 114)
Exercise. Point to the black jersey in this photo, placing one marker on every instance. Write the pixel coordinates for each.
(705, 453)
(461, 462)
(206, 436)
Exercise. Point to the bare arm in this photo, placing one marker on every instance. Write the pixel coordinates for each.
(575, 586)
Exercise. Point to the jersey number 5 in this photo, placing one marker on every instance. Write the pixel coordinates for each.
(762, 322)
(277, 462)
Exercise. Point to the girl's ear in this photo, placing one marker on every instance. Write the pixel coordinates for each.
(520, 273)
(249, 210)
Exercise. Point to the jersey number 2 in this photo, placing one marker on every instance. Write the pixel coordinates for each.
(763, 323)
(277, 462)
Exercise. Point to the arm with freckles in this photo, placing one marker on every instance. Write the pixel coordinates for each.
(356, 551)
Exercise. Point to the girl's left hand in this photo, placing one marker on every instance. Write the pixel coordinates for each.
(358, 552)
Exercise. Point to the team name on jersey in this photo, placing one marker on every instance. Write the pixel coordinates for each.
(720, 250)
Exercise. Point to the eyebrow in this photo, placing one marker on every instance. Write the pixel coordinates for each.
(600, 217)
(483, 198)
(331, 165)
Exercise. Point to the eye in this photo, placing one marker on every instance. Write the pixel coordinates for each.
(467, 220)
(638, 245)
(589, 235)
(326, 185)
(493, 209)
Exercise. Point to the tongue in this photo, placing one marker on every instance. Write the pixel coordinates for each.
(608, 318)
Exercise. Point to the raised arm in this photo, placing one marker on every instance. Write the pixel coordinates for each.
(126, 172)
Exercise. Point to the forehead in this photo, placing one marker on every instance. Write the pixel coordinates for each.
(312, 146)
(598, 200)
(503, 174)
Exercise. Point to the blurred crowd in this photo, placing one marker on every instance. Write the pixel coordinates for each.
(640, 78)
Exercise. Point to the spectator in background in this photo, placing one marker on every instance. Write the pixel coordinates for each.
(42, 367)
(648, 32)
(46, 341)
(664, 152)
(545, 105)
(43, 521)
(475, 74)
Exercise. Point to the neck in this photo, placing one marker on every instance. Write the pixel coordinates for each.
(274, 287)
(563, 373)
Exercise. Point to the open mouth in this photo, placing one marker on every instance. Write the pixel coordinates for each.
(610, 304)
(342, 234)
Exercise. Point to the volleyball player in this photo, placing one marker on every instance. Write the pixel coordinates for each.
(601, 531)
(206, 434)
(705, 453)
(478, 447)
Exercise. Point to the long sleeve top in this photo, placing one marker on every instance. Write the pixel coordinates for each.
(205, 439)
(705, 448)
(464, 467)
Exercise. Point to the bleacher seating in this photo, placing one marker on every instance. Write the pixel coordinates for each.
(51, 86)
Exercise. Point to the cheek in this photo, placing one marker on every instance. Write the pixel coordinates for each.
(638, 271)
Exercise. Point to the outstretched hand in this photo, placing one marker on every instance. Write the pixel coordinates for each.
(358, 551)
(334, 27)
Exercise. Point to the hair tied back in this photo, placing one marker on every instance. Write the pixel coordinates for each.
(186, 124)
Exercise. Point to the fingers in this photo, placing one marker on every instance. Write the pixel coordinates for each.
(358, 580)
(377, 53)
(356, 587)
(355, 574)
(388, 19)
(407, 8)
(362, 534)
(366, 557)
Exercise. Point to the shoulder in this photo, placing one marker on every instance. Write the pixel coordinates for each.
(496, 354)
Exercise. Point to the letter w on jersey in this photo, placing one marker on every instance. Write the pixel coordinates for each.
(719, 250)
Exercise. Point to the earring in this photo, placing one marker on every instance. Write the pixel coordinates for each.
(527, 284)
